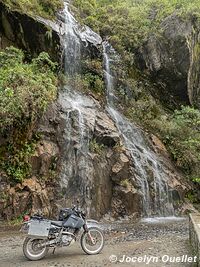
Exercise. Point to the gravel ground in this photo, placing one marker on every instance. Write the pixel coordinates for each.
(142, 243)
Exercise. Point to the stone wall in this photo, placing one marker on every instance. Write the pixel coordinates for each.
(194, 228)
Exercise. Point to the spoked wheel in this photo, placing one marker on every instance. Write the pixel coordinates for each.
(34, 249)
(92, 242)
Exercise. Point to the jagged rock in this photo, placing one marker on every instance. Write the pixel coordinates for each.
(108, 183)
(31, 197)
(44, 157)
(121, 169)
(105, 130)
(188, 208)
(117, 167)
(126, 201)
(172, 59)
(18, 30)
(159, 146)
(104, 178)
(94, 188)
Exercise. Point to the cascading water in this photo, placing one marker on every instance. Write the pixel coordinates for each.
(72, 46)
(149, 172)
(76, 167)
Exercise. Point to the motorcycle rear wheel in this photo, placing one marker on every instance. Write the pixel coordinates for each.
(32, 249)
(94, 246)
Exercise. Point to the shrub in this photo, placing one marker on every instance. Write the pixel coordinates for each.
(17, 164)
(44, 8)
(116, 18)
(25, 89)
(183, 139)
(87, 83)
(181, 134)
(180, 131)
(96, 147)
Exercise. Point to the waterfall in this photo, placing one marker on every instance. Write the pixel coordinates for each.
(72, 46)
(76, 170)
(148, 171)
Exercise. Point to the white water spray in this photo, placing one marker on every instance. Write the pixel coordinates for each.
(149, 173)
(76, 166)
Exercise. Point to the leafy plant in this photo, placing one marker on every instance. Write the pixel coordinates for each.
(16, 162)
(179, 130)
(196, 180)
(96, 147)
(192, 197)
(25, 89)
(44, 8)
(181, 134)
(114, 18)
(87, 83)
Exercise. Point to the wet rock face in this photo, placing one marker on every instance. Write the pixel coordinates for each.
(80, 154)
(33, 35)
(93, 163)
(176, 182)
(102, 179)
(172, 59)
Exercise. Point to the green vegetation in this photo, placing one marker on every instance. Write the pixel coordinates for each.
(96, 147)
(128, 23)
(87, 83)
(17, 221)
(182, 136)
(26, 89)
(17, 164)
(180, 131)
(125, 183)
(191, 196)
(91, 79)
(43, 8)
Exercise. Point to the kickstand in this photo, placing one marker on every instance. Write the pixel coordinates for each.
(54, 251)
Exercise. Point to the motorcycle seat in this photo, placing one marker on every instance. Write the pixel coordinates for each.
(57, 223)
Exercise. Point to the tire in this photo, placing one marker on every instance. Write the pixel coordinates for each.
(34, 256)
(85, 238)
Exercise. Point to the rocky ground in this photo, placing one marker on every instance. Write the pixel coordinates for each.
(151, 238)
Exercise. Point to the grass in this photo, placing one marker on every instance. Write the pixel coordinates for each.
(43, 8)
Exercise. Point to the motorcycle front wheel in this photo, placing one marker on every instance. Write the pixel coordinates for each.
(92, 242)
(34, 249)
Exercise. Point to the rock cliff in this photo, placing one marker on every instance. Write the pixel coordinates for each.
(106, 180)
(172, 59)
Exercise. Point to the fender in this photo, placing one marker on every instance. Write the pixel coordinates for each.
(92, 221)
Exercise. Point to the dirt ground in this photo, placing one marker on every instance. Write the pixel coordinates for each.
(143, 244)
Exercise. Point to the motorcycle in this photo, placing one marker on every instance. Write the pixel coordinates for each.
(44, 234)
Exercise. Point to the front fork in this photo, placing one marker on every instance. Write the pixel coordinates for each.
(89, 234)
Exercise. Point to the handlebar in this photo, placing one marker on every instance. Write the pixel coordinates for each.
(78, 210)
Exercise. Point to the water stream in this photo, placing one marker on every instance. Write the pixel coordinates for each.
(77, 168)
(148, 171)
